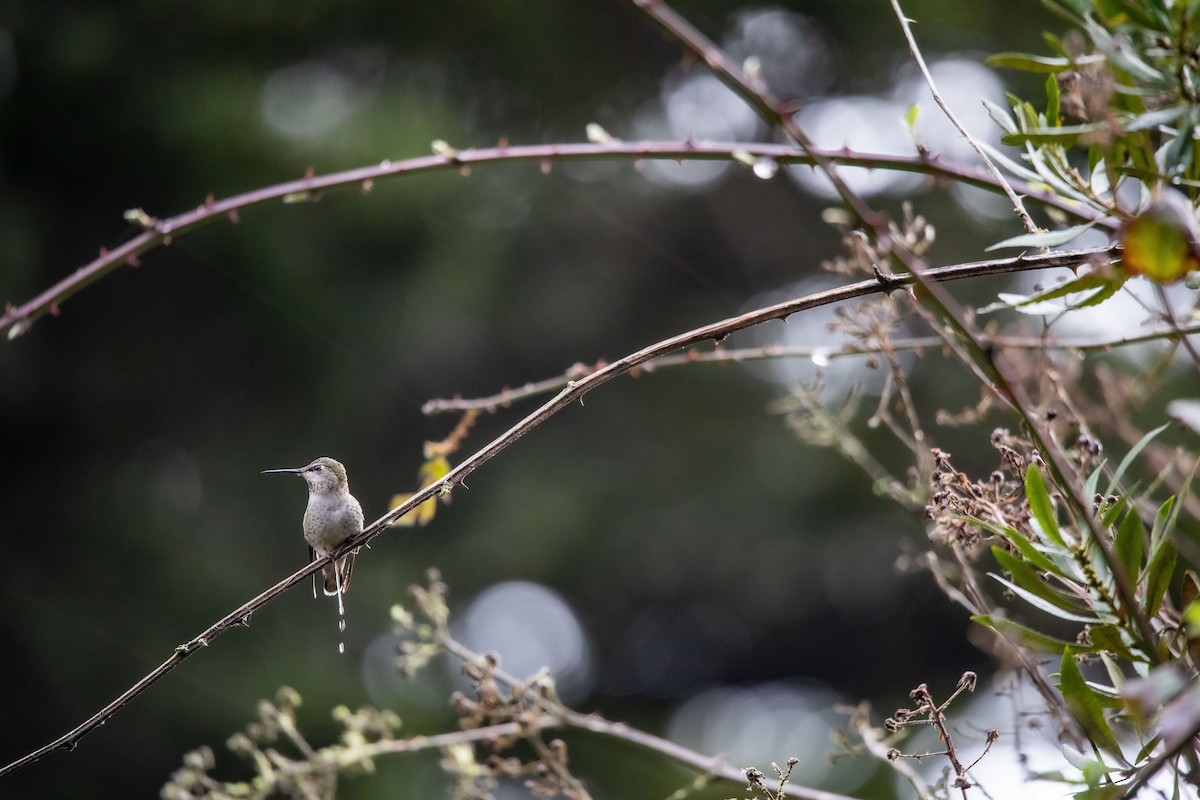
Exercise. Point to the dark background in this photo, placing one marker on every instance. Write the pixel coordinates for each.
(133, 427)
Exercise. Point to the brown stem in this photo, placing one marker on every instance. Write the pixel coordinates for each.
(160, 232)
(572, 393)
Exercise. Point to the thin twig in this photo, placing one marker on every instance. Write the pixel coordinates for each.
(507, 396)
(1001, 180)
(560, 716)
(573, 392)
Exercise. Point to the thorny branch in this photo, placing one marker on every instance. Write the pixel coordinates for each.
(16, 320)
(507, 396)
(574, 391)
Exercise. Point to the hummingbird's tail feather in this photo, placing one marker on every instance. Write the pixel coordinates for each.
(339, 571)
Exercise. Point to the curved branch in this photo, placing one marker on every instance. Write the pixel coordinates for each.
(16, 320)
(721, 355)
(574, 391)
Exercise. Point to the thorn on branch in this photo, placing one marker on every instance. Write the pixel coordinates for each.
(888, 283)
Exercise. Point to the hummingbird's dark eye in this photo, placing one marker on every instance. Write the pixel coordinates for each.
(317, 468)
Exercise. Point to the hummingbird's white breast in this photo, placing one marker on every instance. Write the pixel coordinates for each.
(331, 518)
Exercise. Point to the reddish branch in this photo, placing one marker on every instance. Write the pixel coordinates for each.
(160, 232)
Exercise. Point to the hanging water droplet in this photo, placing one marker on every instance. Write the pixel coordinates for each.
(766, 168)
(820, 358)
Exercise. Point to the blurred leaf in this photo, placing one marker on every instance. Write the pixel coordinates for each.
(1129, 542)
(1028, 62)
(1041, 604)
(1189, 594)
(1111, 638)
(1182, 715)
(1000, 117)
(1028, 637)
(1116, 672)
(910, 116)
(1041, 506)
(1152, 119)
(1106, 695)
(1044, 238)
(1053, 100)
(1161, 242)
(1028, 549)
(1164, 523)
(1085, 707)
(1054, 43)
(1065, 135)
(1145, 697)
(1121, 56)
(1013, 167)
(1010, 301)
(1189, 601)
(1099, 790)
(1102, 287)
(1158, 574)
(1038, 591)
(432, 471)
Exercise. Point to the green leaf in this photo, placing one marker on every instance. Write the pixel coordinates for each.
(1028, 581)
(1041, 506)
(1034, 640)
(1013, 167)
(1040, 135)
(1000, 117)
(1164, 523)
(1107, 696)
(1110, 638)
(1158, 574)
(1028, 549)
(1028, 63)
(1116, 674)
(1085, 707)
(1044, 605)
(1053, 103)
(1092, 482)
(1152, 119)
(1044, 238)
(910, 116)
(1129, 542)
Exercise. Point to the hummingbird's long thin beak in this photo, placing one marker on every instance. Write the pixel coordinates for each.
(265, 471)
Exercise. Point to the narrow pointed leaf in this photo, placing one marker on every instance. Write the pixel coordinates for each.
(1045, 238)
(1028, 549)
(1041, 505)
(1129, 542)
(1028, 63)
(1158, 574)
(1045, 605)
(1085, 706)
(1028, 579)
(1034, 640)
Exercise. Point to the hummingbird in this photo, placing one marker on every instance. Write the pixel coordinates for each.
(332, 517)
